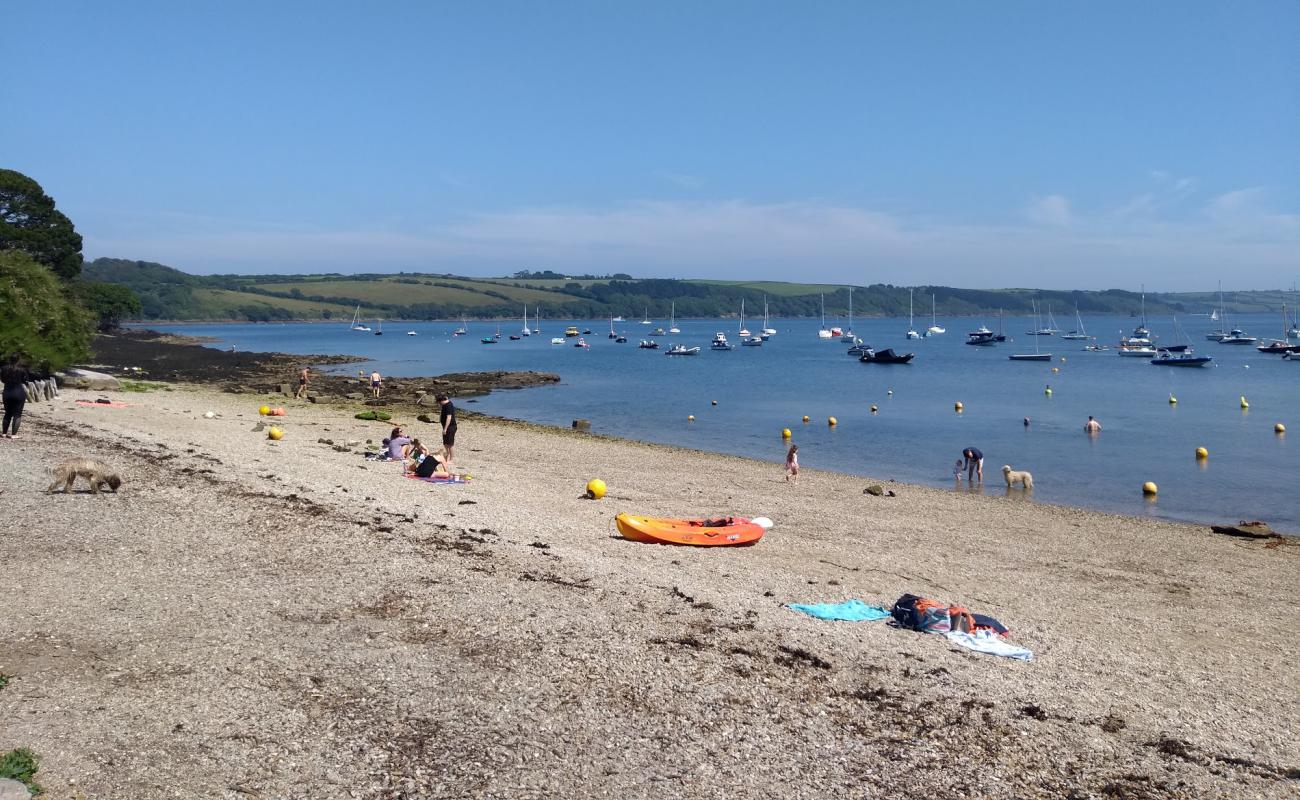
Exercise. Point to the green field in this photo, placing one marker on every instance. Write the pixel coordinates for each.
(222, 302)
(777, 288)
(438, 291)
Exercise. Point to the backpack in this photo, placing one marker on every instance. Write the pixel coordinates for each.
(930, 616)
(921, 614)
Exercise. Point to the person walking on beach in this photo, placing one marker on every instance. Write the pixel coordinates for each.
(376, 383)
(1092, 426)
(14, 376)
(302, 385)
(447, 419)
(792, 464)
(974, 463)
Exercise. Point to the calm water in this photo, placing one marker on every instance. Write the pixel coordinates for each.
(916, 435)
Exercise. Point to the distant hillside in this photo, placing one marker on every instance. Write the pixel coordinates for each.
(169, 294)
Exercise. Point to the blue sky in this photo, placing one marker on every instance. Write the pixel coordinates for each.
(1099, 144)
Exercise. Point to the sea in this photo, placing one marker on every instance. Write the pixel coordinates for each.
(894, 421)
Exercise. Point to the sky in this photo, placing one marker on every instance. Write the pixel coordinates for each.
(1083, 145)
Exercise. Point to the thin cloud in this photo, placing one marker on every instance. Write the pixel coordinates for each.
(1054, 209)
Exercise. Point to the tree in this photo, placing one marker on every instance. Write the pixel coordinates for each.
(109, 303)
(30, 223)
(38, 317)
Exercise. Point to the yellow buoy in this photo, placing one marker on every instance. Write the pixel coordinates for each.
(595, 488)
(832, 421)
(805, 417)
(1173, 401)
(1279, 428)
(691, 418)
(264, 410)
(1201, 452)
(873, 408)
(1150, 488)
(1048, 391)
(1244, 404)
(1056, 369)
(275, 434)
(785, 434)
(957, 406)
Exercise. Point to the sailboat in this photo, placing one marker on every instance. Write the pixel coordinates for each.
(355, 326)
(380, 332)
(934, 328)
(911, 325)
(822, 332)
(848, 336)
(463, 329)
(1036, 355)
(672, 319)
(743, 332)
(1282, 345)
(1142, 331)
(1044, 330)
(768, 330)
(537, 320)
(1079, 331)
(1181, 355)
(525, 331)
(646, 319)
(612, 335)
(1221, 315)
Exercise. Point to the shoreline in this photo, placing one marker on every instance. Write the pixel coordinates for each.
(346, 628)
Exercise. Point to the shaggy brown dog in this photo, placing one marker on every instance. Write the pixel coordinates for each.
(97, 473)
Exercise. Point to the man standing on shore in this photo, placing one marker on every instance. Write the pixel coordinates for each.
(447, 419)
(376, 382)
(974, 462)
(302, 385)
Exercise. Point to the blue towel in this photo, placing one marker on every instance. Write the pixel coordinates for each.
(990, 643)
(850, 610)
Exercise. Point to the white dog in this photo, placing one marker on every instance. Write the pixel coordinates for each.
(1017, 476)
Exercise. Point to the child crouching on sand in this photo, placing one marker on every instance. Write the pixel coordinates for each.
(792, 464)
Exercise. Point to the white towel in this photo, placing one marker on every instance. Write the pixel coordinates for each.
(990, 643)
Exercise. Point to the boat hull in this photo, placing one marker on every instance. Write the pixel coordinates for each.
(733, 532)
(1184, 361)
(1030, 357)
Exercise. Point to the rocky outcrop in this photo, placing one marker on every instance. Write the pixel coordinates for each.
(89, 379)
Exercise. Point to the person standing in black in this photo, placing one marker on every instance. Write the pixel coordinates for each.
(14, 377)
(447, 419)
(973, 460)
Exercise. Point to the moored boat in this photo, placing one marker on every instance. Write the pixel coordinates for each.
(682, 350)
(886, 356)
(1164, 358)
(648, 344)
(720, 342)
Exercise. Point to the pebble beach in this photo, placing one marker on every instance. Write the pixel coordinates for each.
(259, 619)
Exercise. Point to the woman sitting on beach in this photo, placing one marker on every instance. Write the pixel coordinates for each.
(398, 444)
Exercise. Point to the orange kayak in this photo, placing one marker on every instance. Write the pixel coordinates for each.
(700, 532)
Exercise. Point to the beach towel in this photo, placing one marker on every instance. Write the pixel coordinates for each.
(438, 478)
(989, 643)
(850, 611)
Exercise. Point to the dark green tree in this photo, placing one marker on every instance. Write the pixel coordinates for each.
(109, 303)
(38, 316)
(31, 224)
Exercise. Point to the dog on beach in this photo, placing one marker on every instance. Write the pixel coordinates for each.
(97, 473)
(1015, 476)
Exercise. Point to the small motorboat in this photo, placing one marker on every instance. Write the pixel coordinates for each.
(1164, 358)
(410, 333)
(557, 340)
(586, 332)
(1294, 356)
(515, 338)
(982, 338)
(1279, 346)
(1130, 350)
(621, 340)
(1236, 336)
(682, 350)
(752, 341)
(571, 331)
(720, 342)
(581, 343)
(857, 349)
(648, 344)
(724, 531)
(1096, 348)
(886, 356)
(488, 340)
(657, 332)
